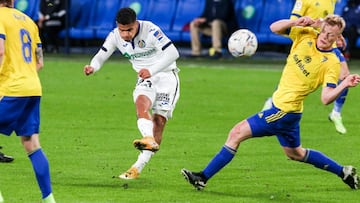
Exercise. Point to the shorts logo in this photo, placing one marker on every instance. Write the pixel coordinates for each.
(164, 98)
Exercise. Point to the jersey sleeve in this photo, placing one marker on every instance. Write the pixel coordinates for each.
(298, 10)
(37, 38)
(158, 38)
(2, 28)
(167, 51)
(332, 74)
(104, 52)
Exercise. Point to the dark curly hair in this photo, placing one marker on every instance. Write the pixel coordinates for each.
(125, 16)
(7, 3)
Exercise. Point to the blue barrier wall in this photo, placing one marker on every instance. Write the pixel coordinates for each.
(93, 19)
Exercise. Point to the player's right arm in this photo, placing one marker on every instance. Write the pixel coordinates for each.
(283, 26)
(97, 61)
(102, 55)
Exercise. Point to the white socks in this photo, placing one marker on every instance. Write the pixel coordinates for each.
(143, 158)
(145, 127)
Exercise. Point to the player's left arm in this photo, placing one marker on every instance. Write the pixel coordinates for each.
(282, 26)
(329, 94)
(168, 55)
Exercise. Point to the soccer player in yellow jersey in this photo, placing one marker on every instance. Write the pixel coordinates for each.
(311, 63)
(20, 89)
(317, 10)
(314, 9)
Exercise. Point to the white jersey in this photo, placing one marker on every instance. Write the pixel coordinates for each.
(150, 49)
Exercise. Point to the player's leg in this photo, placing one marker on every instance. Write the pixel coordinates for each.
(267, 104)
(147, 145)
(145, 125)
(195, 39)
(218, 29)
(1, 198)
(159, 125)
(28, 130)
(167, 87)
(269, 123)
(145, 155)
(238, 133)
(40, 165)
(321, 161)
(144, 97)
(335, 115)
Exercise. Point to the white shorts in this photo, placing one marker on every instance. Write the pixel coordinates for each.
(163, 89)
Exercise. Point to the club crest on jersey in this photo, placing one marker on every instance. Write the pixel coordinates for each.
(141, 43)
(158, 35)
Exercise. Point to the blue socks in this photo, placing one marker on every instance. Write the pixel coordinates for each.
(220, 160)
(319, 160)
(42, 172)
(339, 102)
(316, 158)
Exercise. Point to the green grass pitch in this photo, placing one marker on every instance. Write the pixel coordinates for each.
(88, 125)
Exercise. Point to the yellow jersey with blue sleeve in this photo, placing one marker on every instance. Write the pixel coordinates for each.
(18, 73)
(306, 69)
(313, 8)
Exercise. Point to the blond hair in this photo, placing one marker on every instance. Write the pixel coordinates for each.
(334, 20)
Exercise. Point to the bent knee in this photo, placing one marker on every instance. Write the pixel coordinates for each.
(296, 154)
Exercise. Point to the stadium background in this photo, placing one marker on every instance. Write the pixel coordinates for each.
(88, 125)
(89, 21)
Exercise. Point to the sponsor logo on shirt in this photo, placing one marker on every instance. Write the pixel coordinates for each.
(139, 55)
(300, 64)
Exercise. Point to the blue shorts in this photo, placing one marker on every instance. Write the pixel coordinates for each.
(286, 126)
(20, 114)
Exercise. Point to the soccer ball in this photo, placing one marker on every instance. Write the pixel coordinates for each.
(242, 42)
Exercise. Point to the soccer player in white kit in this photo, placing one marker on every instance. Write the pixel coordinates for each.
(153, 56)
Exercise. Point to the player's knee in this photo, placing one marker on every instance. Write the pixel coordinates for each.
(239, 132)
(295, 156)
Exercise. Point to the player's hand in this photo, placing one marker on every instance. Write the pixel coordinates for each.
(144, 73)
(352, 80)
(341, 43)
(88, 70)
(305, 21)
(317, 23)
